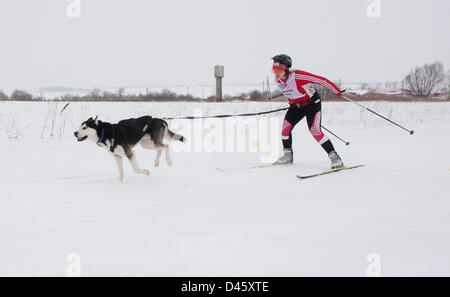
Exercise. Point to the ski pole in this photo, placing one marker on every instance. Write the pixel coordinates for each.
(411, 132)
(346, 142)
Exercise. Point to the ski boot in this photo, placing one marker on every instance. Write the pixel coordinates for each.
(287, 158)
(336, 161)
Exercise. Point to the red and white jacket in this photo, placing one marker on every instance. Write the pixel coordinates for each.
(298, 87)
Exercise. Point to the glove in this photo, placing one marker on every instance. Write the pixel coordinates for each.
(340, 93)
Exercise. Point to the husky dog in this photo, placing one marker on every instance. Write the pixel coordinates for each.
(120, 139)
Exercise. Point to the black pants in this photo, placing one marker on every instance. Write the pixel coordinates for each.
(313, 115)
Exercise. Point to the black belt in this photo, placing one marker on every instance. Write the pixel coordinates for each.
(313, 99)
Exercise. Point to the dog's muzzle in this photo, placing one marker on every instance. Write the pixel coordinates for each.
(79, 138)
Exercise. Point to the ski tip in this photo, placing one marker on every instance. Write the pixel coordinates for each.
(329, 171)
(362, 165)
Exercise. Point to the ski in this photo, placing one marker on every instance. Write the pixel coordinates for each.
(329, 171)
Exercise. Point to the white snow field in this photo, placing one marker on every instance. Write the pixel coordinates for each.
(60, 199)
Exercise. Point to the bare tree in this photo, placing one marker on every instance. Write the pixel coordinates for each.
(3, 96)
(120, 92)
(448, 80)
(448, 84)
(19, 95)
(256, 95)
(391, 85)
(95, 94)
(423, 80)
(326, 93)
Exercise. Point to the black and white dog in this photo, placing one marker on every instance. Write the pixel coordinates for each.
(120, 139)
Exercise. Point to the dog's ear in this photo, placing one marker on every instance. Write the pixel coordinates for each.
(96, 121)
(96, 117)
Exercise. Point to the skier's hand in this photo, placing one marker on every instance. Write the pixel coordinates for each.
(340, 93)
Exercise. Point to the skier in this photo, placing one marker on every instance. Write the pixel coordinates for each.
(297, 87)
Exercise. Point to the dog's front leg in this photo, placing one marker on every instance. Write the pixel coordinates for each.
(119, 162)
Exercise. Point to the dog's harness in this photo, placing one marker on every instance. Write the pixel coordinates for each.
(102, 136)
(100, 140)
(112, 146)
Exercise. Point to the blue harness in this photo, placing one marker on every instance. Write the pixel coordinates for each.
(100, 140)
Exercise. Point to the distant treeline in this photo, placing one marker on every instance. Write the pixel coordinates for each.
(163, 96)
(169, 96)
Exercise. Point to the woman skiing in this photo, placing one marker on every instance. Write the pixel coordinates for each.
(304, 100)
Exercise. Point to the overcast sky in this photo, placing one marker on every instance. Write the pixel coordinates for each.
(177, 42)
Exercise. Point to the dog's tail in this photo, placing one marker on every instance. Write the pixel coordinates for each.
(175, 136)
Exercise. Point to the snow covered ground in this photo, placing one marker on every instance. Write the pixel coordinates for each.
(60, 198)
